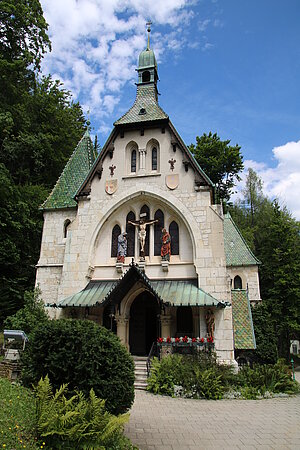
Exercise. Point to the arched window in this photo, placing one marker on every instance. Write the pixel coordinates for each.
(66, 225)
(174, 233)
(114, 240)
(146, 210)
(158, 226)
(154, 158)
(133, 161)
(237, 284)
(130, 230)
(146, 76)
(184, 321)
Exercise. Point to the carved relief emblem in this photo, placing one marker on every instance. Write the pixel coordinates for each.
(111, 186)
(172, 181)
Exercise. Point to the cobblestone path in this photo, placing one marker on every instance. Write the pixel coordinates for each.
(166, 423)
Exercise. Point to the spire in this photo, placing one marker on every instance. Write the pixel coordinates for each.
(149, 23)
(73, 175)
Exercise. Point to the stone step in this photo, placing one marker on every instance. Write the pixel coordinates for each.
(140, 385)
(140, 372)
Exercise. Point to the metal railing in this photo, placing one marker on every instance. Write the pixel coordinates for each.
(153, 352)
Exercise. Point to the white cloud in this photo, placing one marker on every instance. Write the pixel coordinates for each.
(95, 43)
(283, 180)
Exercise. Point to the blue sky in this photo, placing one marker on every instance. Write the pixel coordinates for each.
(227, 66)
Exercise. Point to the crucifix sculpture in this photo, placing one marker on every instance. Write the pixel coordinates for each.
(172, 163)
(112, 170)
(141, 224)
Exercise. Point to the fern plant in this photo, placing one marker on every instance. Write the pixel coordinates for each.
(77, 422)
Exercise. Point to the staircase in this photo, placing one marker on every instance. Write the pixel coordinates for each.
(140, 372)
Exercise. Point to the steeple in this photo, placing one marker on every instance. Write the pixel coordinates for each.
(147, 69)
(145, 107)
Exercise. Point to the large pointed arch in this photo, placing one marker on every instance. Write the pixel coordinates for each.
(180, 210)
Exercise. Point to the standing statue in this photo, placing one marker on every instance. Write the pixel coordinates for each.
(142, 223)
(210, 323)
(122, 247)
(165, 251)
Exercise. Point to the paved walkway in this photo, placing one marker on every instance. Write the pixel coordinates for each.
(165, 423)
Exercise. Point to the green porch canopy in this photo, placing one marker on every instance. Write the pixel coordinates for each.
(168, 292)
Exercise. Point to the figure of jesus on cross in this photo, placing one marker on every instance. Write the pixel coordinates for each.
(141, 224)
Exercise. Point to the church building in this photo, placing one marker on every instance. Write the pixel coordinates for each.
(134, 239)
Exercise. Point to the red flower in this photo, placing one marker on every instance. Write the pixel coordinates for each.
(185, 339)
(202, 340)
(168, 339)
(194, 339)
(177, 340)
(160, 340)
(210, 339)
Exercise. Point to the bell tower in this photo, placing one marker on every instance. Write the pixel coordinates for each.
(147, 69)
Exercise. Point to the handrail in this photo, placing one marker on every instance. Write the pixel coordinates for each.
(151, 354)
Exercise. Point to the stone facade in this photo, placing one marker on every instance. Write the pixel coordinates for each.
(73, 255)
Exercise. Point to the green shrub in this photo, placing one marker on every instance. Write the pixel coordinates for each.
(273, 378)
(208, 384)
(190, 375)
(31, 315)
(77, 422)
(85, 356)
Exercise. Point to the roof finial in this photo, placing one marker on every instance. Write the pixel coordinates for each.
(149, 23)
(88, 122)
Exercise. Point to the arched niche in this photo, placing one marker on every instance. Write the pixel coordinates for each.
(131, 157)
(153, 156)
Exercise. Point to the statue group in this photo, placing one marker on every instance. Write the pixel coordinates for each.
(141, 224)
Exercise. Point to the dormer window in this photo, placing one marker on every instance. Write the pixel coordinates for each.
(142, 111)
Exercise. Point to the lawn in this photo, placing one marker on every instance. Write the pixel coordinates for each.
(17, 417)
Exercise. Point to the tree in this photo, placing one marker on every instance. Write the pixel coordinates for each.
(280, 276)
(32, 314)
(23, 32)
(220, 161)
(253, 193)
(274, 237)
(40, 126)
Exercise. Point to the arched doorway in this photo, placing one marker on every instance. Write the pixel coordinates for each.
(143, 326)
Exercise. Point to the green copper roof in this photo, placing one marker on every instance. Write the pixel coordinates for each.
(236, 249)
(244, 337)
(145, 107)
(171, 292)
(73, 175)
(147, 59)
(184, 293)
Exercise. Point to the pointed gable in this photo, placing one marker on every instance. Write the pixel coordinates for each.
(73, 175)
(237, 251)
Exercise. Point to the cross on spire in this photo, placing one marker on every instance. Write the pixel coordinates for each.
(149, 23)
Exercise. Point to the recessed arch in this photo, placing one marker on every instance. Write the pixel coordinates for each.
(158, 226)
(153, 150)
(116, 231)
(237, 282)
(179, 210)
(130, 230)
(67, 223)
(174, 233)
